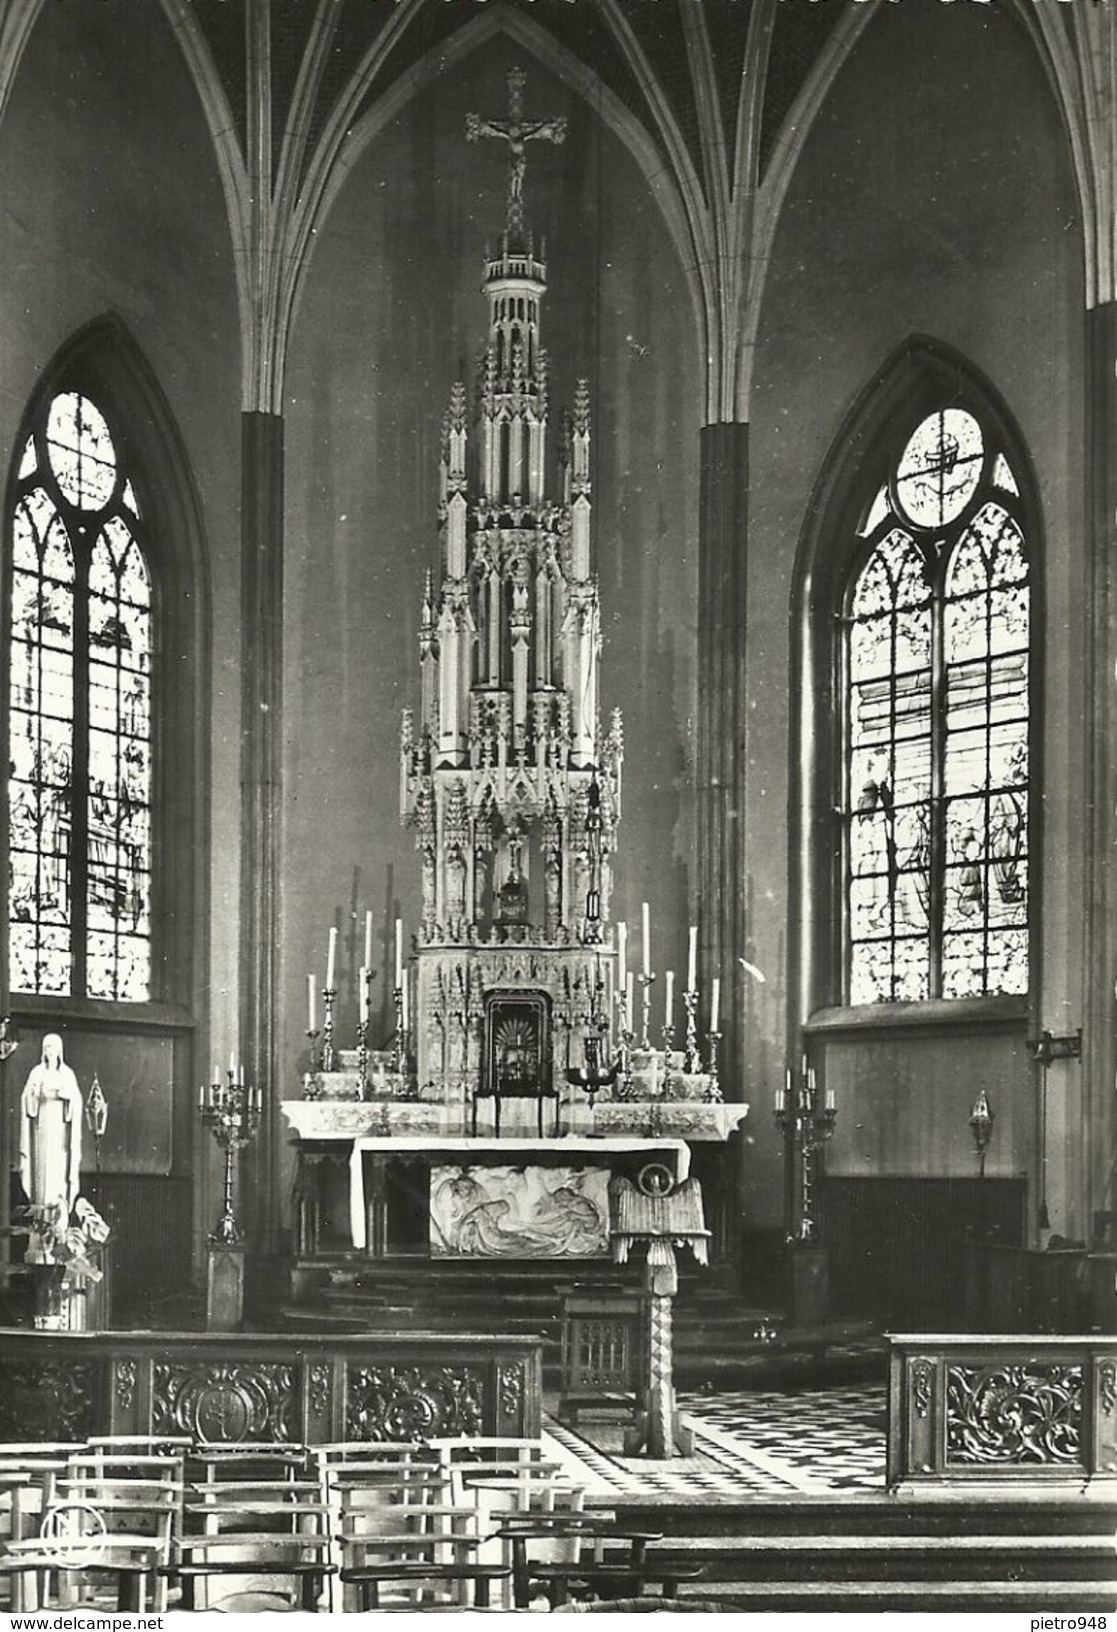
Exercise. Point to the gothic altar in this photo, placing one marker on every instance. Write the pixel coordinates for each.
(525, 1072)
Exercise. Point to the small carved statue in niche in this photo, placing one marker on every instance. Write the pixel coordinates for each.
(50, 1132)
(513, 900)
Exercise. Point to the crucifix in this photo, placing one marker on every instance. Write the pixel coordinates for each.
(517, 132)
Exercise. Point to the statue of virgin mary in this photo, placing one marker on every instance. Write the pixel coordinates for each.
(50, 1133)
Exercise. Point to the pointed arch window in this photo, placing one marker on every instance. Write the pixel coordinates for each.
(80, 714)
(935, 681)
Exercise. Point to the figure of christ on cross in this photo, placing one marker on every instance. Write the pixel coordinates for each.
(517, 132)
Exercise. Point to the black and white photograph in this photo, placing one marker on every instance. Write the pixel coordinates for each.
(558, 664)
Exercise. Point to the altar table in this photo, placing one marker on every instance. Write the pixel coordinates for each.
(462, 1151)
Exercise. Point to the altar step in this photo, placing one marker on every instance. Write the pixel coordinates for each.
(951, 1552)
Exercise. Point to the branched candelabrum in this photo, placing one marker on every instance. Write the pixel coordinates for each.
(806, 1124)
(232, 1112)
(328, 1062)
(691, 1060)
(593, 1076)
(647, 980)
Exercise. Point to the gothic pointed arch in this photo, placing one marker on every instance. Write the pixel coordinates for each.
(916, 665)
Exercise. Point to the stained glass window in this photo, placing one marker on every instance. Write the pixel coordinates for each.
(80, 716)
(936, 661)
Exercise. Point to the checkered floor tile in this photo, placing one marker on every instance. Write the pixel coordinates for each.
(760, 1443)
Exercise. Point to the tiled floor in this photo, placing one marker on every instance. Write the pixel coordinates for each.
(761, 1443)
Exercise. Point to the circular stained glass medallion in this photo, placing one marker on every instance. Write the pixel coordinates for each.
(81, 451)
(940, 468)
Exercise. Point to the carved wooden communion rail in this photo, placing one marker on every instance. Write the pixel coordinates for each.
(1016, 1411)
(227, 1387)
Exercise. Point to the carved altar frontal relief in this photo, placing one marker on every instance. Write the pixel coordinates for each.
(519, 1212)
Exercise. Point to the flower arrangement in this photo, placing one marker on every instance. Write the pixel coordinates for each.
(55, 1240)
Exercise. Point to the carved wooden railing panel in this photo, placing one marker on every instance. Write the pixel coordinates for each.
(226, 1387)
(1024, 1410)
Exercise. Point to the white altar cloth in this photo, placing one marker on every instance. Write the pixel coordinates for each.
(567, 1146)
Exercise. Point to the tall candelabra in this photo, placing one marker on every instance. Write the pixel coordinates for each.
(807, 1123)
(232, 1113)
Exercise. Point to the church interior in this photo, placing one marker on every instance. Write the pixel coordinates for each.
(559, 996)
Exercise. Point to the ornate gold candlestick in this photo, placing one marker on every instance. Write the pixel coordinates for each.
(713, 1094)
(328, 1061)
(691, 1060)
(232, 1113)
(647, 981)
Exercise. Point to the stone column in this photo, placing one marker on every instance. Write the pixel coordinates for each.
(261, 794)
(1086, 1133)
(722, 619)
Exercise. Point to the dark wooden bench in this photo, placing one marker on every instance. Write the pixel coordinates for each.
(369, 1577)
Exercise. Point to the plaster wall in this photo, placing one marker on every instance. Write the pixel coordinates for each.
(102, 142)
(933, 196)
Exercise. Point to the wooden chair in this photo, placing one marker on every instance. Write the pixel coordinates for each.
(608, 1560)
(28, 1476)
(378, 1522)
(109, 1514)
(271, 1528)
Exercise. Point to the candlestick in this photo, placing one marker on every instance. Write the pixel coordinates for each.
(232, 1112)
(669, 998)
(647, 927)
(713, 1094)
(646, 983)
(692, 960)
(331, 959)
(691, 1061)
(329, 1055)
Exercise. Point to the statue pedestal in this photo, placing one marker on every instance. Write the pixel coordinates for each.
(224, 1287)
(808, 1285)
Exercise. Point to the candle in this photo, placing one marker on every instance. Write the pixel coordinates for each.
(216, 1072)
(311, 1016)
(331, 960)
(780, 1094)
(362, 995)
(405, 985)
(787, 1085)
(368, 940)
(399, 953)
(669, 992)
(622, 954)
(240, 1073)
(202, 1097)
(830, 1102)
(715, 1003)
(647, 926)
(232, 1065)
(692, 960)
(628, 1001)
